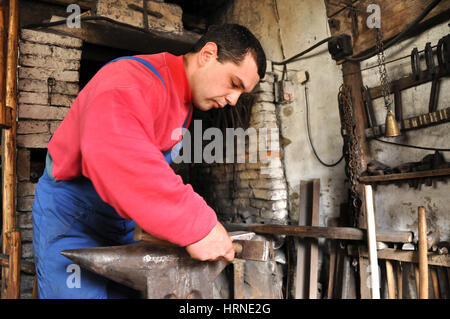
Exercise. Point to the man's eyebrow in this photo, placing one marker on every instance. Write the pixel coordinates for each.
(241, 84)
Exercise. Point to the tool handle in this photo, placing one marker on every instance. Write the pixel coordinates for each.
(237, 248)
(140, 235)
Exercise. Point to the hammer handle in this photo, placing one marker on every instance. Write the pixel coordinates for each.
(140, 235)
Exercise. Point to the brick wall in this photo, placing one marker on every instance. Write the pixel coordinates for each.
(48, 84)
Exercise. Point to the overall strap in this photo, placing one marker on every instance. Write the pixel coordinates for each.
(144, 62)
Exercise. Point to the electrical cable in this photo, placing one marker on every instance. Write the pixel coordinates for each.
(308, 129)
(415, 146)
(291, 59)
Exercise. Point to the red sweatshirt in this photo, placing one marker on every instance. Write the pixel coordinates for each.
(114, 134)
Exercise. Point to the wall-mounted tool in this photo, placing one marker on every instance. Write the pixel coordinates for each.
(340, 46)
(433, 73)
(443, 54)
(415, 66)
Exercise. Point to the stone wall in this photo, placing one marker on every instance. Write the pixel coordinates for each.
(48, 84)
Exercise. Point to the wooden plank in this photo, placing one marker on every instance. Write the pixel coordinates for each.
(301, 267)
(332, 270)
(406, 256)
(396, 16)
(364, 274)
(123, 37)
(84, 4)
(345, 233)
(406, 82)
(314, 244)
(404, 176)
(413, 123)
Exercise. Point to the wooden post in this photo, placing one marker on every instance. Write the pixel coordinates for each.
(423, 258)
(13, 290)
(353, 79)
(3, 38)
(9, 152)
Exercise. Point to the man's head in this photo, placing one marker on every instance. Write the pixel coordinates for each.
(226, 62)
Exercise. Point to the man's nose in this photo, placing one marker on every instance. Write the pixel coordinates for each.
(233, 98)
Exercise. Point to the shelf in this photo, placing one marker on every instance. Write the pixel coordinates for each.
(404, 176)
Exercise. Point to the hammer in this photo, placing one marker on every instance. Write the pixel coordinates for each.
(244, 247)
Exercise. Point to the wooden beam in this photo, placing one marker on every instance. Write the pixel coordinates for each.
(413, 123)
(334, 7)
(344, 233)
(396, 16)
(130, 38)
(406, 256)
(84, 4)
(406, 82)
(403, 176)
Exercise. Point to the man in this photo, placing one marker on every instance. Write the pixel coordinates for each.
(108, 162)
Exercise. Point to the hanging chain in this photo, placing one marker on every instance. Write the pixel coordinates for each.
(384, 79)
(351, 150)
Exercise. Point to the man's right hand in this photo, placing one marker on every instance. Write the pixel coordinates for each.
(216, 245)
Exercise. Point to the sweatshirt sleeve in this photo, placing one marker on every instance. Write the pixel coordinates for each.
(130, 173)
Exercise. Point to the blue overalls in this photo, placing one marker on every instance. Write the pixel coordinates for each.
(71, 215)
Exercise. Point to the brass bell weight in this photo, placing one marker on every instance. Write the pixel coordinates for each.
(391, 126)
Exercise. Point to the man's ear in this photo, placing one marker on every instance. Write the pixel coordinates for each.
(207, 53)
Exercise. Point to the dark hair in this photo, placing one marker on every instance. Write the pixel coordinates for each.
(233, 43)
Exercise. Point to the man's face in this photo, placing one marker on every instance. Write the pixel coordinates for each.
(217, 84)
